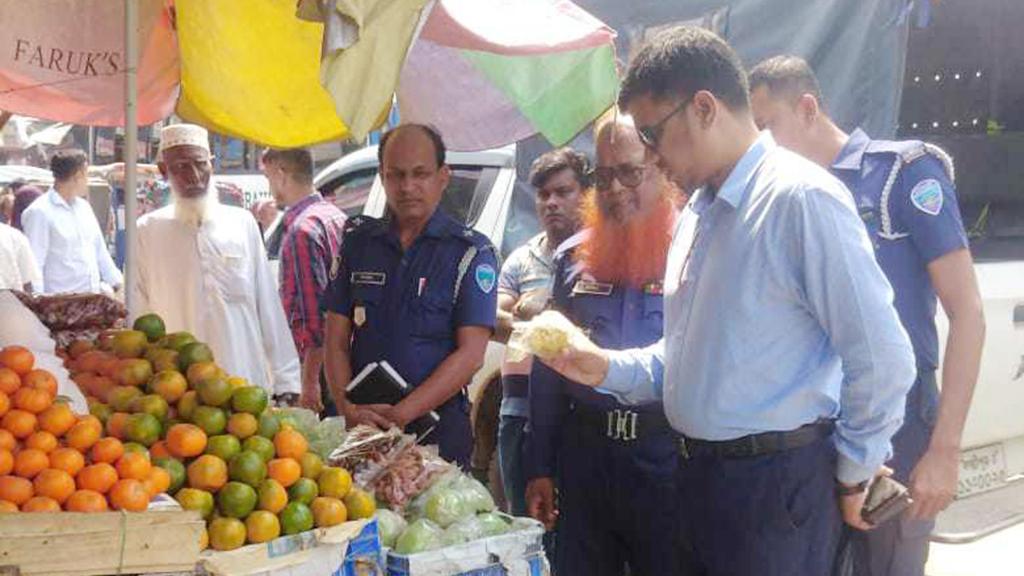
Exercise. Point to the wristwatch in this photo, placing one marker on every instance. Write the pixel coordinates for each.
(844, 490)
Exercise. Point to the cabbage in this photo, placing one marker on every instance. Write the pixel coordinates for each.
(493, 524)
(448, 505)
(465, 530)
(421, 536)
(478, 497)
(391, 526)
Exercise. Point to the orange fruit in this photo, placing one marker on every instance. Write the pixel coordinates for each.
(32, 400)
(40, 380)
(7, 507)
(9, 381)
(91, 420)
(130, 495)
(134, 466)
(80, 347)
(86, 501)
(286, 471)
(159, 450)
(15, 490)
(207, 473)
(40, 504)
(242, 425)
(97, 477)
(6, 462)
(157, 481)
(19, 423)
(68, 460)
(290, 443)
(5, 403)
(83, 435)
(186, 440)
(107, 450)
(57, 419)
(7, 440)
(117, 423)
(56, 484)
(42, 441)
(17, 358)
(29, 462)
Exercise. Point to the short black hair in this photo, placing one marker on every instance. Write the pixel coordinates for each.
(67, 162)
(296, 162)
(439, 149)
(553, 162)
(786, 75)
(681, 61)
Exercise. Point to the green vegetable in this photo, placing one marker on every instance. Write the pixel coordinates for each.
(391, 526)
(421, 536)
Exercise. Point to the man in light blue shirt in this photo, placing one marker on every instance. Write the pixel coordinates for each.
(784, 364)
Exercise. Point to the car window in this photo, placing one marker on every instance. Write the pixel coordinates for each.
(522, 223)
(350, 192)
(467, 192)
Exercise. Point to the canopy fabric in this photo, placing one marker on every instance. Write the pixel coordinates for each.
(64, 60)
(250, 68)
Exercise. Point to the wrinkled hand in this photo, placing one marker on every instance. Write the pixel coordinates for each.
(368, 414)
(851, 506)
(530, 304)
(582, 362)
(933, 483)
(540, 501)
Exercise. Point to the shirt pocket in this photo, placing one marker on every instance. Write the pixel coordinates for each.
(593, 314)
(231, 273)
(432, 316)
(369, 297)
(654, 305)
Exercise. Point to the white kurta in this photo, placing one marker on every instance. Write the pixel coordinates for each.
(213, 280)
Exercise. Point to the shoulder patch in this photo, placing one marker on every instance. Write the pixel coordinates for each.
(485, 277)
(927, 196)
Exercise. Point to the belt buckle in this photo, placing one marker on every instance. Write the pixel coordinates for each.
(622, 425)
(684, 450)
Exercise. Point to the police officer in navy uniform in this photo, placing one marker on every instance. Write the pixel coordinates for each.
(614, 464)
(416, 289)
(904, 192)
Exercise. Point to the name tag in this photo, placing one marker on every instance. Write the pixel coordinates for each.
(654, 288)
(371, 278)
(592, 288)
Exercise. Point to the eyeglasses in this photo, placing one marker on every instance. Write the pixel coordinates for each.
(650, 135)
(629, 175)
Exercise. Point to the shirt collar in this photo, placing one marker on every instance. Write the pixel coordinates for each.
(735, 186)
(299, 207)
(851, 155)
(57, 200)
(439, 225)
(538, 246)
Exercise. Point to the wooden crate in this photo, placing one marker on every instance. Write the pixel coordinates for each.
(78, 544)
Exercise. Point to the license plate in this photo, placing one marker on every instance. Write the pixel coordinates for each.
(981, 469)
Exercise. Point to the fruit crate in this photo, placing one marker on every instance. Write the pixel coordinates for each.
(319, 552)
(518, 553)
(80, 544)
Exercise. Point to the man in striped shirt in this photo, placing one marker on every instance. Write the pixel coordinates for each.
(313, 229)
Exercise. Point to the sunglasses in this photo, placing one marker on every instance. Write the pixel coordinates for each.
(650, 135)
(629, 175)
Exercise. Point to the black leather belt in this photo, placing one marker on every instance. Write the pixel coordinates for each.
(621, 425)
(515, 386)
(757, 444)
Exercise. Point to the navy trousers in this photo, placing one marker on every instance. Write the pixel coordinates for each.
(900, 547)
(617, 505)
(770, 515)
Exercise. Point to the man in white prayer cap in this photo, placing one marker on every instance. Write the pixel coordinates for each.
(201, 265)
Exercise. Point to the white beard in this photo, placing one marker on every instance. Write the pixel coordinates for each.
(194, 210)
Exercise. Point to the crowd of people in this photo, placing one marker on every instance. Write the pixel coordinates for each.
(757, 288)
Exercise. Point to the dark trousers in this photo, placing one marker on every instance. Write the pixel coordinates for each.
(770, 515)
(900, 547)
(511, 444)
(617, 505)
(454, 433)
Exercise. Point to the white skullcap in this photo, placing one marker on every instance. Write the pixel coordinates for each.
(184, 135)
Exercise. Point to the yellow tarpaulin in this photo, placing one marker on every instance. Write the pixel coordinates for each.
(251, 69)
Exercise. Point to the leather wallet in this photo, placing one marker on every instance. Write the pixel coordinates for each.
(886, 499)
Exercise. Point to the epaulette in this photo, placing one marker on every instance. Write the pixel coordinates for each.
(906, 152)
(361, 224)
(473, 238)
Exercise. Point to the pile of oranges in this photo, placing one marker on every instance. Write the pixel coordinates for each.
(52, 459)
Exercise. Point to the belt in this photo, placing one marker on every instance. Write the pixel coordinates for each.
(620, 425)
(515, 386)
(757, 444)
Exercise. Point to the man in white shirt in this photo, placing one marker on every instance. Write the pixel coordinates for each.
(18, 269)
(64, 234)
(201, 265)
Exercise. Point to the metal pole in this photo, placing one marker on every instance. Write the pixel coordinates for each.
(131, 144)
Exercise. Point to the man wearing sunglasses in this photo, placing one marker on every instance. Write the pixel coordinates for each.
(614, 464)
(784, 365)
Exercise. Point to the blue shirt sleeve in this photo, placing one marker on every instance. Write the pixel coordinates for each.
(477, 304)
(926, 207)
(636, 376)
(511, 274)
(849, 296)
(339, 291)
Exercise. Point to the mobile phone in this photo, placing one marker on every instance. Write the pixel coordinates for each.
(886, 499)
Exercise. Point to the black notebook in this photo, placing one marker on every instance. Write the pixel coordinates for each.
(379, 383)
